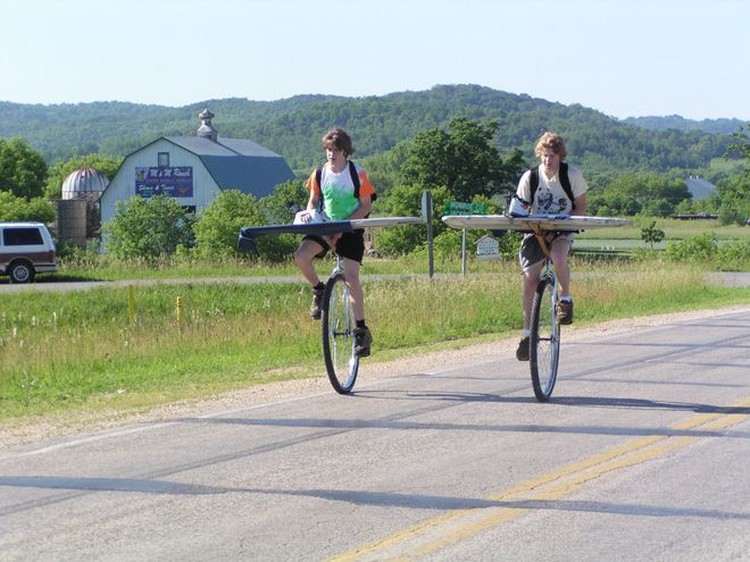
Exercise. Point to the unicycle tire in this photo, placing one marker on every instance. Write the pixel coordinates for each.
(544, 341)
(337, 316)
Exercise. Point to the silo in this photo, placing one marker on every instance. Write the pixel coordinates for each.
(84, 185)
(71, 221)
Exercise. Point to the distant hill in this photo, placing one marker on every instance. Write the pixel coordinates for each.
(292, 127)
(720, 126)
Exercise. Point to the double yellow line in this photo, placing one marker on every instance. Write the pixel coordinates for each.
(447, 529)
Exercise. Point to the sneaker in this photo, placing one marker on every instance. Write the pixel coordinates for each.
(565, 312)
(362, 341)
(522, 353)
(316, 303)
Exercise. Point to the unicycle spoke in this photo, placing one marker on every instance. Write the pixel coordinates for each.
(544, 342)
(341, 361)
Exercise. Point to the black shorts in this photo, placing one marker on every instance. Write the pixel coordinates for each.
(351, 245)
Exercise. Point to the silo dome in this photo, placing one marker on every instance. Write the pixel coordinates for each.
(84, 183)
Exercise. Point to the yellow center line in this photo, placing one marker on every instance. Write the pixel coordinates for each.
(447, 529)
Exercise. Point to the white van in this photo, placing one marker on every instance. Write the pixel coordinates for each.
(25, 249)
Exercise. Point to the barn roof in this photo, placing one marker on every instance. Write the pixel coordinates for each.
(238, 163)
(700, 188)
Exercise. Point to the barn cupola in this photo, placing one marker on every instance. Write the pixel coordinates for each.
(206, 129)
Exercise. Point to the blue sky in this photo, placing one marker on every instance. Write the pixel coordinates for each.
(623, 58)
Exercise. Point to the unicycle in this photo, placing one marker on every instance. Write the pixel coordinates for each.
(337, 319)
(544, 341)
(544, 338)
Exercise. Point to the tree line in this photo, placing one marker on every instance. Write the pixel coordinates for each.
(457, 157)
(292, 127)
(457, 163)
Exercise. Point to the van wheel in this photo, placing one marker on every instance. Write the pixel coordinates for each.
(21, 272)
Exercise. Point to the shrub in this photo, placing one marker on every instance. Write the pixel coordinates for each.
(510, 243)
(734, 255)
(698, 248)
(148, 228)
(217, 230)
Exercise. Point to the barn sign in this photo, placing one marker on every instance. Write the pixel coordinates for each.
(175, 181)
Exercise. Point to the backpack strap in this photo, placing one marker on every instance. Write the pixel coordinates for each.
(534, 180)
(355, 179)
(318, 176)
(564, 180)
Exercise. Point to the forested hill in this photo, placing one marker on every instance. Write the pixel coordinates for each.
(721, 126)
(292, 127)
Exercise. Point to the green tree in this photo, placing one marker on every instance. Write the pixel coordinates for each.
(57, 173)
(740, 147)
(406, 201)
(734, 200)
(685, 207)
(642, 192)
(609, 202)
(293, 126)
(148, 228)
(652, 235)
(217, 230)
(280, 206)
(463, 159)
(219, 225)
(734, 192)
(14, 208)
(23, 170)
(384, 169)
(658, 208)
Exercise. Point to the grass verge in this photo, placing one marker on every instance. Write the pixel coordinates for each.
(107, 348)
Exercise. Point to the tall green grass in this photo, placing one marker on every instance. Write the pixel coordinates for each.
(91, 349)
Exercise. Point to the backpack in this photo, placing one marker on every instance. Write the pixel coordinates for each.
(564, 180)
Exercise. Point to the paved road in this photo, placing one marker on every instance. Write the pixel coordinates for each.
(641, 455)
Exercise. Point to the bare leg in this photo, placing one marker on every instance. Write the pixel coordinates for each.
(559, 254)
(304, 257)
(351, 274)
(530, 281)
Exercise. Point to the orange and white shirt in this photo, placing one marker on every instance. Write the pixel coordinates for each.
(337, 190)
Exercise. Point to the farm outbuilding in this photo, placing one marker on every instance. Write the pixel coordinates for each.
(78, 211)
(700, 188)
(194, 170)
